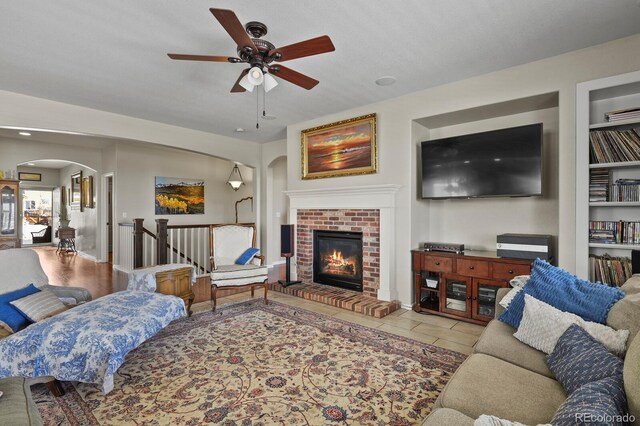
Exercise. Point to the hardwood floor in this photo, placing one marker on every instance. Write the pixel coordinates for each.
(100, 280)
(67, 269)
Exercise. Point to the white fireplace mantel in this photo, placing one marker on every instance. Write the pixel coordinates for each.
(381, 197)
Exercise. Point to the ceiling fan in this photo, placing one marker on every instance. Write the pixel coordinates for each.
(261, 54)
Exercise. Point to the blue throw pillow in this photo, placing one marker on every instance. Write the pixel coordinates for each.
(10, 317)
(602, 402)
(247, 256)
(563, 291)
(579, 359)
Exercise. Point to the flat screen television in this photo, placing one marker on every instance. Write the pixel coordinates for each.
(499, 163)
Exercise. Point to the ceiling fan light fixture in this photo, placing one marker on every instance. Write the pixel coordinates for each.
(255, 76)
(269, 82)
(244, 82)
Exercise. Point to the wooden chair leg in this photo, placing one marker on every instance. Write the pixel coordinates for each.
(214, 291)
(189, 312)
(266, 289)
(55, 387)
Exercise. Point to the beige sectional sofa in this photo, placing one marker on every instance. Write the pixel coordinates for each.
(508, 379)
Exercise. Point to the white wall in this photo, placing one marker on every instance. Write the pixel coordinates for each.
(24, 111)
(85, 222)
(49, 178)
(13, 152)
(279, 207)
(271, 152)
(137, 167)
(477, 222)
(396, 143)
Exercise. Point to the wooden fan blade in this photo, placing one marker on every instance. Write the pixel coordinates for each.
(236, 87)
(293, 76)
(181, 57)
(314, 46)
(232, 25)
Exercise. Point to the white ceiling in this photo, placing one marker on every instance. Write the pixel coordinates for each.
(111, 55)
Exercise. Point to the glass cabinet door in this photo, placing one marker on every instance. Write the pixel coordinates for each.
(456, 296)
(7, 211)
(484, 299)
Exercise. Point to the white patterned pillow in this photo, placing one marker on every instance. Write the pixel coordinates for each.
(542, 325)
(486, 420)
(39, 306)
(519, 281)
(506, 300)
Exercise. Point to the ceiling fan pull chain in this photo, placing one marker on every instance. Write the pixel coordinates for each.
(257, 108)
(264, 102)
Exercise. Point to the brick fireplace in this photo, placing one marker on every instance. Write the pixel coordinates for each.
(365, 221)
(366, 209)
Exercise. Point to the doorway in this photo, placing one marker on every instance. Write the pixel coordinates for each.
(37, 216)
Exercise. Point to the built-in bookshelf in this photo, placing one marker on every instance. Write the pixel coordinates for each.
(607, 177)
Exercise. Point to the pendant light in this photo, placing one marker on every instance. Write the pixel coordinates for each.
(235, 178)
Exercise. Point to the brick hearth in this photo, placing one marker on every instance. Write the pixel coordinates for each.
(366, 221)
(340, 298)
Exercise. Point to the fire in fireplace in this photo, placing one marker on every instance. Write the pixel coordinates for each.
(337, 259)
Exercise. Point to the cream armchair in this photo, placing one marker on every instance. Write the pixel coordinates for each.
(229, 242)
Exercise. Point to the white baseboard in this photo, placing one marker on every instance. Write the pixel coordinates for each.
(87, 256)
(406, 306)
(121, 269)
(277, 262)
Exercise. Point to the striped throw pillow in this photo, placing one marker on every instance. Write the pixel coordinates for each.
(39, 306)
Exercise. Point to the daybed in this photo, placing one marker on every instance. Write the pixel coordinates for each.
(508, 379)
(19, 267)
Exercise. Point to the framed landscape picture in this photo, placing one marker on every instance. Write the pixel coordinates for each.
(179, 196)
(344, 148)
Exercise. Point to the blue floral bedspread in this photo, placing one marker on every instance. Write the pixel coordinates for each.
(88, 343)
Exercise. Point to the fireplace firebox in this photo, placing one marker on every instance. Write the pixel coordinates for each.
(337, 259)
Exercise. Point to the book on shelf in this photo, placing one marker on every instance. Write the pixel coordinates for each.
(599, 182)
(623, 114)
(613, 271)
(614, 232)
(614, 146)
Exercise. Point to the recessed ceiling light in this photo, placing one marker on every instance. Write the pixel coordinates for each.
(387, 80)
(24, 134)
(268, 117)
(31, 164)
(239, 130)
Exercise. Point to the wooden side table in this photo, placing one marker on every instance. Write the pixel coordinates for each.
(67, 241)
(176, 282)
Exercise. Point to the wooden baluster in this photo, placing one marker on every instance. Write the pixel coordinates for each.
(138, 243)
(153, 252)
(161, 235)
(211, 247)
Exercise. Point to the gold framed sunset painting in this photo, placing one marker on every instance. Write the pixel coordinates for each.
(343, 148)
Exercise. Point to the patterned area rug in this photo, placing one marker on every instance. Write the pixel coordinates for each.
(251, 364)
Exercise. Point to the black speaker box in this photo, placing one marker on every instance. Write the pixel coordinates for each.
(286, 240)
(635, 261)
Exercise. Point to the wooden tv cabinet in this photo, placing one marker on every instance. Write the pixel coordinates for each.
(462, 286)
